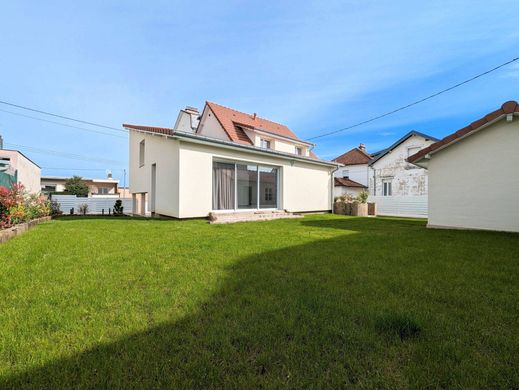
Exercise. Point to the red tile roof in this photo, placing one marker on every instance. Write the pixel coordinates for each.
(509, 107)
(159, 130)
(354, 156)
(229, 118)
(345, 182)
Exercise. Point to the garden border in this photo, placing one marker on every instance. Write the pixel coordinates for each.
(16, 230)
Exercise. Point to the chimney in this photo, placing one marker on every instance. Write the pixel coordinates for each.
(362, 147)
(191, 110)
(109, 174)
(254, 116)
(1, 142)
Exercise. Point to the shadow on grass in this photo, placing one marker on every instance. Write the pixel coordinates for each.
(303, 316)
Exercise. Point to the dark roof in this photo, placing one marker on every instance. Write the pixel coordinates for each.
(345, 182)
(510, 107)
(355, 156)
(151, 129)
(384, 152)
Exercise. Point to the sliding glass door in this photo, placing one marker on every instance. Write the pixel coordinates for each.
(244, 186)
(223, 186)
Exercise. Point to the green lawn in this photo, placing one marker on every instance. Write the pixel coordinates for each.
(323, 301)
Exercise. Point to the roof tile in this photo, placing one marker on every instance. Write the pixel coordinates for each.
(354, 156)
(507, 108)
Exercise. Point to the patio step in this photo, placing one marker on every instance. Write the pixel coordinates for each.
(233, 217)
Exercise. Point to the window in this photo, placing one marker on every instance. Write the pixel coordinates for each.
(103, 190)
(387, 188)
(141, 153)
(265, 143)
(268, 194)
(412, 150)
(299, 151)
(345, 174)
(244, 186)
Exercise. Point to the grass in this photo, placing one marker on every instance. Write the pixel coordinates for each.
(325, 301)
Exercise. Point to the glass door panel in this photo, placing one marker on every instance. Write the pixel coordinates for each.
(247, 186)
(268, 184)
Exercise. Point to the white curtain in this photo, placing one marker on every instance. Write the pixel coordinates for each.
(223, 186)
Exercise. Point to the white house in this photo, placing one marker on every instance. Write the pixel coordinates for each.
(473, 179)
(398, 187)
(352, 178)
(15, 167)
(232, 162)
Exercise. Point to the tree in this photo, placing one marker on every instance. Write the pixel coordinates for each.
(76, 186)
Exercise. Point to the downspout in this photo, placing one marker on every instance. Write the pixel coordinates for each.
(333, 187)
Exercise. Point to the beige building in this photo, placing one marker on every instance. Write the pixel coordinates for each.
(473, 179)
(96, 187)
(16, 167)
(232, 162)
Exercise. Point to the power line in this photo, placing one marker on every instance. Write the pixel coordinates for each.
(81, 169)
(61, 124)
(61, 116)
(415, 102)
(72, 156)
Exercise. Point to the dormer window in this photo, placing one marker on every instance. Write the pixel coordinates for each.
(265, 143)
(299, 150)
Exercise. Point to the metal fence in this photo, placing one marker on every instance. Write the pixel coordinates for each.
(95, 205)
(401, 206)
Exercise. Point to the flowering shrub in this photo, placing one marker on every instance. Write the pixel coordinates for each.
(16, 206)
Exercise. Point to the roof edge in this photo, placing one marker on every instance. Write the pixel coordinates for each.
(509, 107)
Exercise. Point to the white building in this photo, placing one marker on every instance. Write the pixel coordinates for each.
(391, 174)
(473, 179)
(352, 178)
(232, 162)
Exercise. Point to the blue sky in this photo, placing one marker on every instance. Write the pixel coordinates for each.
(315, 67)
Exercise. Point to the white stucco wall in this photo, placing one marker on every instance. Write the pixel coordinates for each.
(210, 127)
(474, 183)
(303, 186)
(164, 153)
(407, 179)
(340, 191)
(28, 173)
(358, 173)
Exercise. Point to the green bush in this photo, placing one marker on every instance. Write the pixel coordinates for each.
(76, 186)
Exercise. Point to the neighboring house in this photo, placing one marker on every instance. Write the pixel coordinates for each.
(352, 177)
(96, 187)
(473, 179)
(391, 174)
(15, 167)
(232, 162)
(187, 120)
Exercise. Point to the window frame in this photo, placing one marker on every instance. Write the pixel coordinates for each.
(268, 142)
(299, 150)
(387, 187)
(258, 207)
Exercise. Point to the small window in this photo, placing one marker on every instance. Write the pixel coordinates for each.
(412, 150)
(265, 143)
(141, 153)
(345, 174)
(387, 188)
(103, 190)
(299, 151)
(268, 194)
